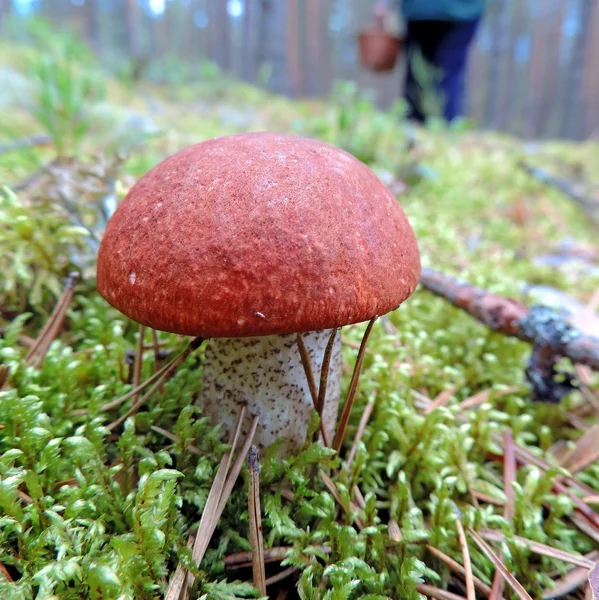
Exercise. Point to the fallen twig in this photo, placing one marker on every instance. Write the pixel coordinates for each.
(280, 576)
(549, 331)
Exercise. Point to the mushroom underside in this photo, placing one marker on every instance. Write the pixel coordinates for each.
(266, 375)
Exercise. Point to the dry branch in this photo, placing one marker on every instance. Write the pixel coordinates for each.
(548, 330)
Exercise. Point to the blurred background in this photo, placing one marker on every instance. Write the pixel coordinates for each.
(533, 70)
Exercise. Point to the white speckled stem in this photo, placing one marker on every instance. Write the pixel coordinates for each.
(266, 374)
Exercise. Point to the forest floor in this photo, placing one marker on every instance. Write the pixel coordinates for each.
(452, 480)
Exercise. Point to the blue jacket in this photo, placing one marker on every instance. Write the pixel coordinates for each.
(442, 10)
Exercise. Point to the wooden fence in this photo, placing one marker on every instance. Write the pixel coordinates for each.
(534, 70)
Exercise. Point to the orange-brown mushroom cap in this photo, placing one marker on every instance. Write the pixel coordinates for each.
(257, 234)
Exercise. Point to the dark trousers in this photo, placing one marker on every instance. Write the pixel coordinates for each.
(443, 45)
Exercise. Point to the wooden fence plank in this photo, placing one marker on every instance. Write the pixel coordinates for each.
(311, 43)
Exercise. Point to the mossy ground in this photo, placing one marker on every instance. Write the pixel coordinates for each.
(90, 513)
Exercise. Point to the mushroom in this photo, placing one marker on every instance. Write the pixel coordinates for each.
(248, 240)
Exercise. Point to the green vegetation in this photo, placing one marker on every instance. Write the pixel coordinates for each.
(92, 512)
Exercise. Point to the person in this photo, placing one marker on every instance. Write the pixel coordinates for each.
(441, 31)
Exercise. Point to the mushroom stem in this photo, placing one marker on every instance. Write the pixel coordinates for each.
(267, 376)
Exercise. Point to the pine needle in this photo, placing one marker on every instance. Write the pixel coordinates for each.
(509, 578)
(335, 493)
(255, 513)
(437, 593)
(575, 578)
(217, 498)
(441, 400)
(324, 376)
(353, 387)
(538, 548)
(4, 373)
(177, 583)
(280, 576)
(360, 432)
(52, 328)
(456, 567)
(594, 582)
(138, 361)
(470, 593)
(307, 364)
(159, 375)
(584, 453)
(171, 436)
(170, 368)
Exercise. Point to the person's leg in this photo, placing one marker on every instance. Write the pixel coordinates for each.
(451, 58)
(422, 38)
